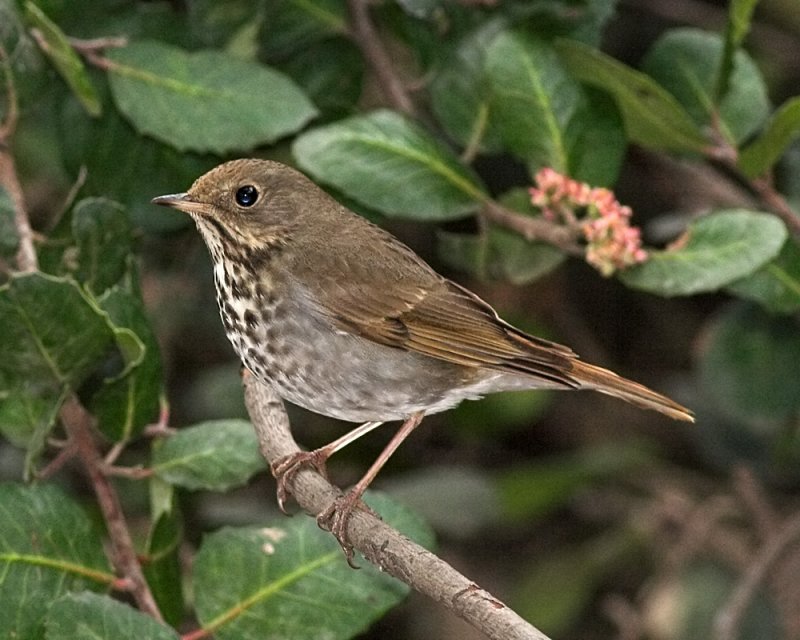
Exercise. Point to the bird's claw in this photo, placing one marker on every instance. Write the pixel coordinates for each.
(284, 469)
(335, 519)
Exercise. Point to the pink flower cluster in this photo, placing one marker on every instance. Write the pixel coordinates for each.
(611, 243)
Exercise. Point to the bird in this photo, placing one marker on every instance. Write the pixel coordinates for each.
(343, 319)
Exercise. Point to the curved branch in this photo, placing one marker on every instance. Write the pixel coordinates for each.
(378, 542)
(532, 228)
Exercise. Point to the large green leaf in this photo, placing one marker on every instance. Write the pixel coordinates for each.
(776, 285)
(543, 115)
(163, 567)
(214, 455)
(718, 250)
(292, 581)
(68, 64)
(740, 14)
(88, 615)
(653, 117)
(54, 336)
(386, 162)
(204, 101)
(48, 547)
(686, 62)
(780, 132)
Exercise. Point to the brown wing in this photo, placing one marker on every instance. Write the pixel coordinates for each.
(438, 318)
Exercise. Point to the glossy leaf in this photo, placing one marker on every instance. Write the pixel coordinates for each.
(292, 581)
(214, 455)
(740, 14)
(294, 26)
(716, 251)
(206, 100)
(748, 356)
(542, 113)
(48, 547)
(776, 285)
(418, 178)
(653, 117)
(68, 64)
(780, 132)
(88, 615)
(686, 62)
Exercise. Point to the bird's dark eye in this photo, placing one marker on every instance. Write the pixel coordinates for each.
(246, 196)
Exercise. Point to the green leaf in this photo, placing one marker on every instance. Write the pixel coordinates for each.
(163, 567)
(88, 615)
(102, 233)
(740, 13)
(653, 118)
(68, 64)
(542, 113)
(719, 249)
(214, 455)
(48, 547)
(686, 62)
(292, 581)
(204, 101)
(780, 132)
(124, 405)
(459, 92)
(53, 338)
(386, 162)
(749, 363)
(776, 285)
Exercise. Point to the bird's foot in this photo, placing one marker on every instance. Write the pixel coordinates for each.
(336, 517)
(284, 469)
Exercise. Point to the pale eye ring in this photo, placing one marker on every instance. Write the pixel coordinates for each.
(246, 196)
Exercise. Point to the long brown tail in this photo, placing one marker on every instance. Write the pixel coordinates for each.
(605, 381)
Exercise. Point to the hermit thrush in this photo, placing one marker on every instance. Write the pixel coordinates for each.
(343, 319)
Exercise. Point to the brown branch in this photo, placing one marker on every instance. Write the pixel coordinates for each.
(26, 254)
(727, 620)
(77, 422)
(777, 203)
(366, 37)
(378, 542)
(532, 228)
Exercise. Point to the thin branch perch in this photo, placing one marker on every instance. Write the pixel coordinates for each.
(380, 544)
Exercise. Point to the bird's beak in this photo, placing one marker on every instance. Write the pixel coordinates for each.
(182, 202)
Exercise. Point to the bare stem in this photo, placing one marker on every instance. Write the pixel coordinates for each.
(367, 39)
(532, 228)
(77, 422)
(378, 542)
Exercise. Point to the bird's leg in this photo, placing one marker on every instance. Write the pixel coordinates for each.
(286, 467)
(336, 516)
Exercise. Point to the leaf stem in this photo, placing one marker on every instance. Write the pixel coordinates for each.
(77, 422)
(532, 228)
